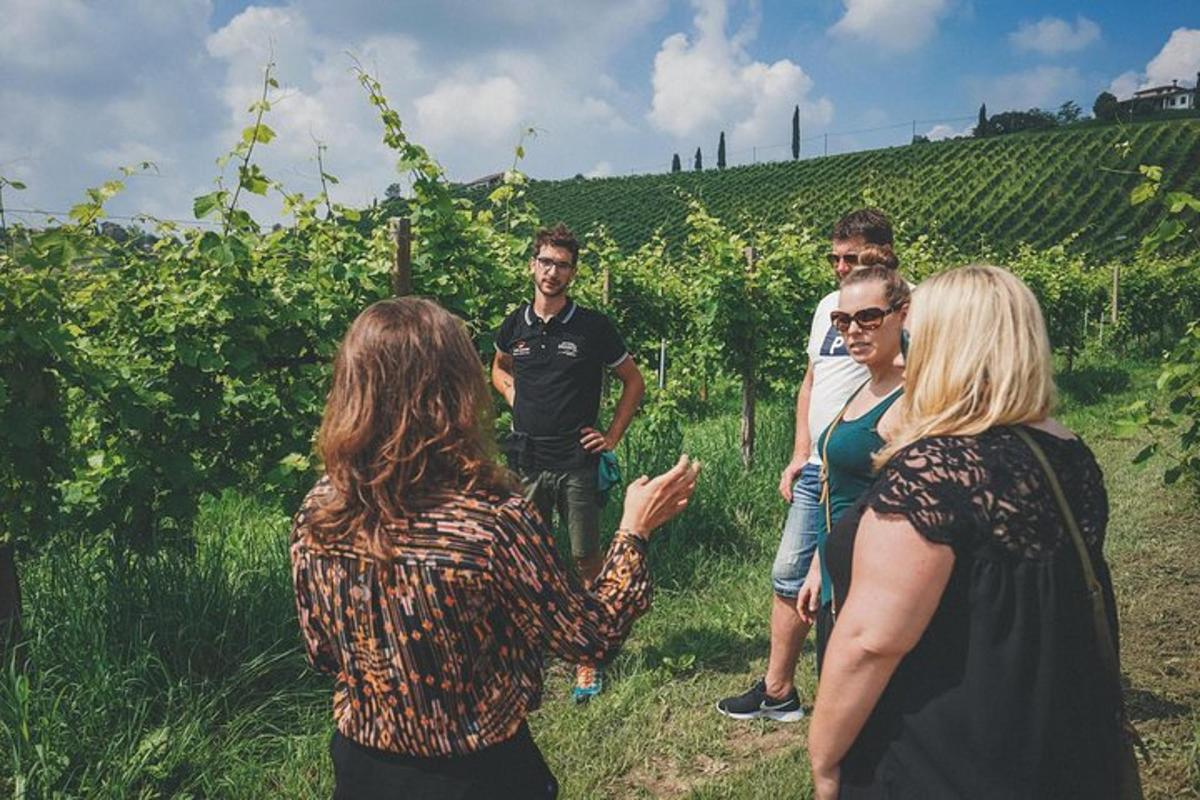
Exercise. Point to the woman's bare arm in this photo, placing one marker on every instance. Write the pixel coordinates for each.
(899, 578)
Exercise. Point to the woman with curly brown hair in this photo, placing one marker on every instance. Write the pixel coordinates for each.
(428, 586)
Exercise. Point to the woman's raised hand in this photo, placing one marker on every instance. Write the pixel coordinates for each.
(651, 502)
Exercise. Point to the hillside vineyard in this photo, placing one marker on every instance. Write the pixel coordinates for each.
(1040, 188)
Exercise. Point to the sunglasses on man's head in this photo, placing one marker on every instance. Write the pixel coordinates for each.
(851, 259)
(868, 319)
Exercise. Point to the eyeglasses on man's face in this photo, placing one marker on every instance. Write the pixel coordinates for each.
(547, 263)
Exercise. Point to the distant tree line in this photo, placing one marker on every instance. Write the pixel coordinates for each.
(1034, 119)
(1106, 108)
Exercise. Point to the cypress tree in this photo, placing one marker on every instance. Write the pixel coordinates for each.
(699, 164)
(675, 165)
(721, 151)
(796, 133)
(982, 128)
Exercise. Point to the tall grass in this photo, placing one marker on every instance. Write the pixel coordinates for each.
(148, 673)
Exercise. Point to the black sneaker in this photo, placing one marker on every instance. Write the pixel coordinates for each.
(757, 704)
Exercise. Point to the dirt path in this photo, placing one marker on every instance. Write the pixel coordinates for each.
(1159, 588)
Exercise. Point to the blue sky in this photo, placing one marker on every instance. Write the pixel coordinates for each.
(612, 87)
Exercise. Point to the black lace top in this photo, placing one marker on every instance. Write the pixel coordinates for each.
(1004, 696)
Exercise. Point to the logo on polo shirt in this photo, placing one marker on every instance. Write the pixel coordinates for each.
(521, 348)
(568, 349)
(834, 344)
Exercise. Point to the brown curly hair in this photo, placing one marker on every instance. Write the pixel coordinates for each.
(871, 254)
(407, 421)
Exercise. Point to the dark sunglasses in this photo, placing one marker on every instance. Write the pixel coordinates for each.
(851, 259)
(868, 319)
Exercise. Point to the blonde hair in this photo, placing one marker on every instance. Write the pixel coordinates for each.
(980, 357)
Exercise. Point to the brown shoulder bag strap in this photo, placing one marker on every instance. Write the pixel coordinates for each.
(1104, 638)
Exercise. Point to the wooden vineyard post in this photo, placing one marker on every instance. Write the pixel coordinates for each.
(1116, 285)
(748, 390)
(605, 288)
(400, 231)
(662, 363)
(10, 603)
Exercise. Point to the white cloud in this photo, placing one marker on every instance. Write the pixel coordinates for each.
(485, 110)
(1179, 60)
(602, 169)
(710, 82)
(1052, 36)
(943, 131)
(595, 111)
(897, 26)
(1042, 87)
(1124, 85)
(90, 86)
(78, 102)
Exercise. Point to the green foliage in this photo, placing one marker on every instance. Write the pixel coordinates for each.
(1014, 121)
(1106, 106)
(742, 318)
(982, 128)
(1068, 113)
(1040, 188)
(1176, 412)
(141, 373)
(136, 378)
(1061, 284)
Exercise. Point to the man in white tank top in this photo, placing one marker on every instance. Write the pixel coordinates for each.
(831, 378)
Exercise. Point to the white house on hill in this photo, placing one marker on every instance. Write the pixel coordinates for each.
(1168, 98)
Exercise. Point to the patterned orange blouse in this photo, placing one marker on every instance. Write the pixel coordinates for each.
(438, 650)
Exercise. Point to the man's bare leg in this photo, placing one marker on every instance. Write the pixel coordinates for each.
(788, 633)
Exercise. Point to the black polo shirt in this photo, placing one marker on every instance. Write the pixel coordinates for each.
(557, 367)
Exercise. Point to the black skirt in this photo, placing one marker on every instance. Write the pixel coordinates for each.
(511, 770)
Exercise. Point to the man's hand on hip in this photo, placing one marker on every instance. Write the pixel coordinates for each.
(594, 441)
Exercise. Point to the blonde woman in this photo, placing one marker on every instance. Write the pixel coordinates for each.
(965, 662)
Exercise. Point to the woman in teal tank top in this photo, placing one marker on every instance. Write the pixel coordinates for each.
(872, 303)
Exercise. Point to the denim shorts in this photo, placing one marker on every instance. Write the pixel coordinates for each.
(805, 520)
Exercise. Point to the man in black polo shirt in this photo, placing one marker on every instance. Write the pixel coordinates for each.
(550, 359)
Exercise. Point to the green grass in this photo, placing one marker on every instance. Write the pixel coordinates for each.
(181, 675)
(1042, 188)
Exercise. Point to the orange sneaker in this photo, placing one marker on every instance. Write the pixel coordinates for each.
(589, 682)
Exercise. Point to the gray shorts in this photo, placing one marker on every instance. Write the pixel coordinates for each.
(575, 494)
